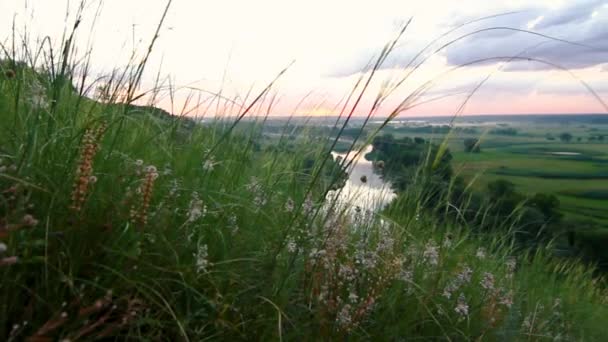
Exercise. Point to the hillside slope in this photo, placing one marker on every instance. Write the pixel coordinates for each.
(116, 224)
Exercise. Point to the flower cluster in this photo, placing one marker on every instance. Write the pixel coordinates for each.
(462, 278)
(84, 170)
(481, 253)
(349, 273)
(487, 282)
(259, 197)
(289, 205)
(202, 258)
(209, 164)
(197, 210)
(511, 264)
(139, 212)
(462, 307)
(431, 253)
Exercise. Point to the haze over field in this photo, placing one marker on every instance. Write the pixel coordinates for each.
(233, 46)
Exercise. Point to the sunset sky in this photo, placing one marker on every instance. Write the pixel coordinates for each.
(240, 45)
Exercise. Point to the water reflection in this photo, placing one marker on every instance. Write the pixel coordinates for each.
(364, 188)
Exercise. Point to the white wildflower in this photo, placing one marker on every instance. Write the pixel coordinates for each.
(167, 170)
(151, 169)
(233, 224)
(3, 247)
(289, 205)
(29, 220)
(462, 307)
(487, 282)
(346, 272)
(308, 204)
(317, 254)
(344, 318)
(447, 242)
(197, 209)
(254, 185)
(557, 303)
(259, 201)
(431, 253)
(406, 276)
(174, 187)
(465, 275)
(201, 256)
(447, 291)
(462, 278)
(511, 264)
(481, 253)
(507, 299)
(386, 242)
(291, 246)
(209, 164)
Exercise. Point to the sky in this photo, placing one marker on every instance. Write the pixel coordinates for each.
(236, 47)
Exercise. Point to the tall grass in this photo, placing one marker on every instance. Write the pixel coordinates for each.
(118, 221)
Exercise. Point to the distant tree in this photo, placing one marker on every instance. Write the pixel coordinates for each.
(547, 204)
(579, 139)
(419, 140)
(600, 138)
(503, 198)
(500, 188)
(504, 131)
(472, 145)
(592, 139)
(550, 136)
(565, 137)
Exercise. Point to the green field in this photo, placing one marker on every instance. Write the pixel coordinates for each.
(533, 158)
(536, 164)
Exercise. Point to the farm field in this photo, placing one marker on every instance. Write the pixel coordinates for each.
(536, 160)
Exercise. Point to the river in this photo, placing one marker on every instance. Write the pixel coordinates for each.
(374, 193)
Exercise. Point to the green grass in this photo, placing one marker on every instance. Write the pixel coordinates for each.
(124, 223)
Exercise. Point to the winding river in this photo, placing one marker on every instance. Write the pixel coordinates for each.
(371, 194)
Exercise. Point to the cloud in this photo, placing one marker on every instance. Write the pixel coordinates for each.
(573, 88)
(582, 24)
(364, 62)
(575, 13)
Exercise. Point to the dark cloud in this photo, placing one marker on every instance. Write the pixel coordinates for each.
(578, 12)
(583, 23)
